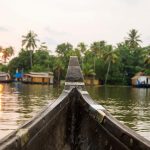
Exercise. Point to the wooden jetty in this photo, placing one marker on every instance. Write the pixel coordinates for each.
(74, 122)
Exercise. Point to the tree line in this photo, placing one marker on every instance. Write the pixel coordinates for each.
(100, 60)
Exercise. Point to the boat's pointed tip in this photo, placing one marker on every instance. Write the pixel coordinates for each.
(73, 61)
(74, 73)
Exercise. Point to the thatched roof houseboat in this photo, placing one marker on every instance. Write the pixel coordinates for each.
(5, 77)
(38, 77)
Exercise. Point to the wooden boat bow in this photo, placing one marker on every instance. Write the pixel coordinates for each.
(74, 122)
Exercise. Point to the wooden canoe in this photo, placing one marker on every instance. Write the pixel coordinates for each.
(74, 122)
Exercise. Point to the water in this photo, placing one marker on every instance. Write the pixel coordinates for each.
(129, 105)
(20, 102)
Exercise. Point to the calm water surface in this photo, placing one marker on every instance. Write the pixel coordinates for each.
(20, 102)
(129, 105)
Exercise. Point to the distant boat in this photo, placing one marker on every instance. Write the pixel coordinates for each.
(141, 81)
(38, 78)
(5, 77)
(74, 122)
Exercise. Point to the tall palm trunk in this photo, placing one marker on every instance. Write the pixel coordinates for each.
(107, 72)
(58, 77)
(31, 63)
(5, 59)
(94, 68)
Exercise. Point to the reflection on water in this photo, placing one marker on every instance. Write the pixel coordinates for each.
(20, 102)
(129, 105)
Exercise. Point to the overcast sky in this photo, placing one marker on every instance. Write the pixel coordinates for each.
(74, 21)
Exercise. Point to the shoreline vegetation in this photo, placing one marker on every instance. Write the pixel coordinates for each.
(109, 64)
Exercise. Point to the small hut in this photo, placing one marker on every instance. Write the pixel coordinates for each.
(90, 80)
(38, 77)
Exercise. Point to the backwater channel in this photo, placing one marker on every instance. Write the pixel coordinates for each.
(20, 102)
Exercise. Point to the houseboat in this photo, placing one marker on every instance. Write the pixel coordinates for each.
(5, 77)
(38, 78)
(74, 122)
(140, 80)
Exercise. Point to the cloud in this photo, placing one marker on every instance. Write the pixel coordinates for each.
(130, 2)
(3, 29)
(73, 21)
(54, 32)
(49, 41)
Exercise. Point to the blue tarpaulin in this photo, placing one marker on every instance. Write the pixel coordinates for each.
(18, 75)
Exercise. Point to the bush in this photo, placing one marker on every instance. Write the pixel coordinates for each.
(3, 68)
(39, 68)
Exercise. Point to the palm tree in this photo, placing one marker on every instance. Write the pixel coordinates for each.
(87, 70)
(63, 49)
(110, 57)
(1, 49)
(1, 53)
(58, 68)
(80, 52)
(43, 47)
(7, 52)
(29, 41)
(98, 49)
(82, 47)
(147, 56)
(134, 39)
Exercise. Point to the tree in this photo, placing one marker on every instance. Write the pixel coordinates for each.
(82, 47)
(29, 41)
(58, 69)
(63, 48)
(110, 57)
(1, 49)
(133, 39)
(43, 47)
(147, 55)
(88, 70)
(7, 53)
(20, 62)
(98, 48)
(41, 59)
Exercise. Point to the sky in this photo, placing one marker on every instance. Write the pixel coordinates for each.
(74, 21)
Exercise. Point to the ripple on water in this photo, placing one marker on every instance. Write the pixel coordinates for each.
(131, 106)
(18, 108)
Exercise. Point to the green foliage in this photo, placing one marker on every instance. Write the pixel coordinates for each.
(147, 72)
(3, 68)
(41, 57)
(39, 68)
(59, 70)
(111, 65)
(6, 53)
(20, 62)
(29, 40)
(88, 70)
